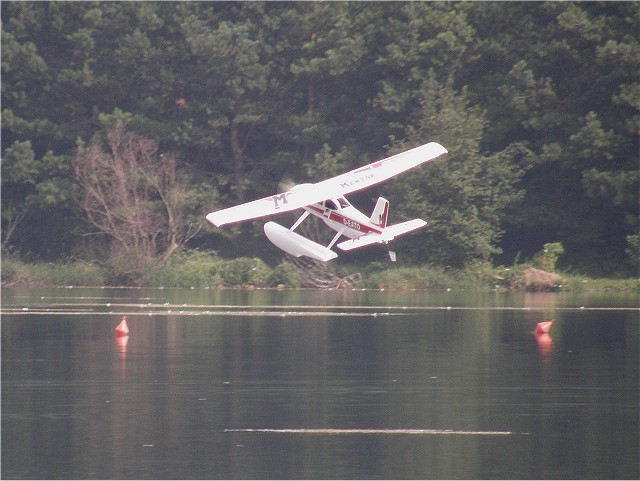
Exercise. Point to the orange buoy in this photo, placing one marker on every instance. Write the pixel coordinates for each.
(122, 329)
(544, 326)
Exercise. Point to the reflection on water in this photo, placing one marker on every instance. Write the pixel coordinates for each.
(545, 343)
(317, 384)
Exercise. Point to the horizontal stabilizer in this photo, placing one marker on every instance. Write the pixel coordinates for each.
(295, 244)
(362, 241)
(387, 235)
(405, 227)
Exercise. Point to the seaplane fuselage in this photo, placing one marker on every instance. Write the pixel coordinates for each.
(326, 201)
(340, 215)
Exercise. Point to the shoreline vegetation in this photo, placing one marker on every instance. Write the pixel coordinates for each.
(125, 123)
(206, 270)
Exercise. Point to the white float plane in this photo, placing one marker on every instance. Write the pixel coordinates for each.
(326, 200)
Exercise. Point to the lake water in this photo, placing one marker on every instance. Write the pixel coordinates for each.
(318, 384)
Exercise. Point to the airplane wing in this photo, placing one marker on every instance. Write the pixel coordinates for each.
(306, 194)
(381, 170)
(296, 198)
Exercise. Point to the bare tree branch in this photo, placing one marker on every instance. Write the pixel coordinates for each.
(135, 196)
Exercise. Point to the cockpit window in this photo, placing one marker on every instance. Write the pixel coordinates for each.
(331, 203)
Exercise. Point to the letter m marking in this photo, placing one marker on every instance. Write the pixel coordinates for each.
(280, 198)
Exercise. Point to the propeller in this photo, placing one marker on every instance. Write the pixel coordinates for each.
(286, 184)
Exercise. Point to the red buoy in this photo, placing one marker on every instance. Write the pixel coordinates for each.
(544, 326)
(122, 329)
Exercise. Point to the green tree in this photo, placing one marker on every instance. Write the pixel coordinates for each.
(563, 77)
(464, 197)
(246, 94)
(227, 84)
(426, 40)
(36, 188)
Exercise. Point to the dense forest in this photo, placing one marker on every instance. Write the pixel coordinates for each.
(124, 123)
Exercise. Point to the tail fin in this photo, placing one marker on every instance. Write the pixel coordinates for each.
(380, 213)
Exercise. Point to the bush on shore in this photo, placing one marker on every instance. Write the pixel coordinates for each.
(425, 277)
(197, 269)
(193, 269)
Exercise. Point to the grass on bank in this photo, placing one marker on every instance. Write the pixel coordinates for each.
(197, 269)
(46, 274)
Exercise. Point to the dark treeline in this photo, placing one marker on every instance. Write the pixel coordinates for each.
(537, 103)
